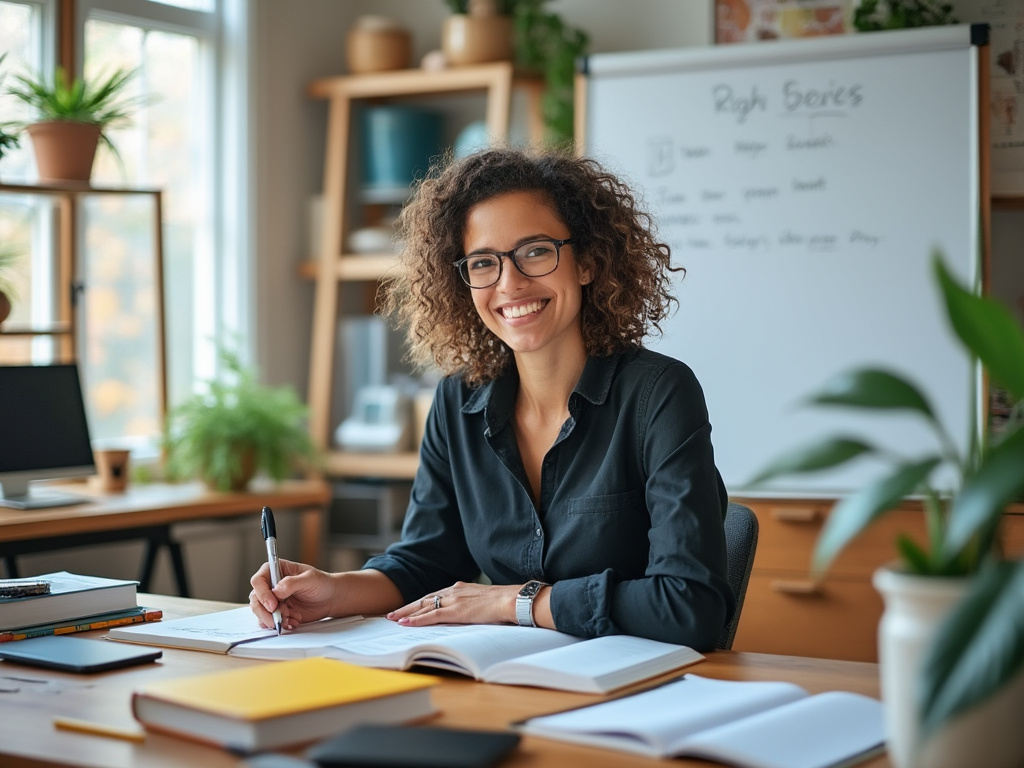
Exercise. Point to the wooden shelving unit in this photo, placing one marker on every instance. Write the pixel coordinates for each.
(333, 266)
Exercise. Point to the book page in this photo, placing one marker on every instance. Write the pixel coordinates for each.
(597, 665)
(219, 632)
(210, 631)
(656, 721)
(819, 731)
(382, 643)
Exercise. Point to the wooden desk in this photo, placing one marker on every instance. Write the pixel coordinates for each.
(30, 698)
(146, 511)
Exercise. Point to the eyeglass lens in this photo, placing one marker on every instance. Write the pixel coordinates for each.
(534, 259)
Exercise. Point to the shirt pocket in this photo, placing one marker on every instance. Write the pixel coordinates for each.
(627, 502)
(606, 531)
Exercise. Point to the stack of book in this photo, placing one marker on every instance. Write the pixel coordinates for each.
(62, 602)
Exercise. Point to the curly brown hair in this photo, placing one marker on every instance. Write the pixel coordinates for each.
(626, 300)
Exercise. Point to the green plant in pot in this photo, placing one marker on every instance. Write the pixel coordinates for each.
(477, 31)
(973, 654)
(542, 43)
(236, 429)
(73, 117)
(546, 44)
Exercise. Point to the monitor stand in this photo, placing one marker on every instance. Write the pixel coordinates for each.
(21, 496)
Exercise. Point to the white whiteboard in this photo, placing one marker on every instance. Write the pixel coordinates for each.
(803, 185)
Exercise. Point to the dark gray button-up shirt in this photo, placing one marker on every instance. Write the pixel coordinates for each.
(628, 529)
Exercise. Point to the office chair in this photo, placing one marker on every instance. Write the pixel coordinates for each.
(740, 545)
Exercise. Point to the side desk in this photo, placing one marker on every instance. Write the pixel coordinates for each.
(31, 698)
(147, 511)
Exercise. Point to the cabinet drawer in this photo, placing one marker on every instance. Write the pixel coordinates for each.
(790, 530)
(835, 619)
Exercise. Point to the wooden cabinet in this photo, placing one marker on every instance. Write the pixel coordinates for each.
(334, 267)
(787, 611)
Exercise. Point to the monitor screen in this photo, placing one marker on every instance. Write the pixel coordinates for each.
(44, 433)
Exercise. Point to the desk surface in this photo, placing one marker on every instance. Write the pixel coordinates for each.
(161, 504)
(30, 698)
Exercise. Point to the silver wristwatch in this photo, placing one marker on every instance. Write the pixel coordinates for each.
(524, 602)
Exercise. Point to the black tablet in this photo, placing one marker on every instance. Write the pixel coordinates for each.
(75, 654)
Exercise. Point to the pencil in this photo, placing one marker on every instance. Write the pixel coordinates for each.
(98, 729)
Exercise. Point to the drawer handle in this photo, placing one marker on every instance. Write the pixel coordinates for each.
(796, 586)
(797, 515)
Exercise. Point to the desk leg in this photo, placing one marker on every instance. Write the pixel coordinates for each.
(12, 566)
(153, 544)
(311, 532)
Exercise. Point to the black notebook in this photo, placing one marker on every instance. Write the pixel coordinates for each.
(392, 746)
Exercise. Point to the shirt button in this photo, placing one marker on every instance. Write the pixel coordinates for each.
(538, 533)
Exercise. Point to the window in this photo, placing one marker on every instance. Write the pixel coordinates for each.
(173, 144)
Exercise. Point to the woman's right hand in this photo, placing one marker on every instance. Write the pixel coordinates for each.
(304, 594)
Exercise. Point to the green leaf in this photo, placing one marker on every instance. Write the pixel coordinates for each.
(827, 453)
(855, 512)
(985, 494)
(873, 388)
(916, 558)
(988, 329)
(979, 648)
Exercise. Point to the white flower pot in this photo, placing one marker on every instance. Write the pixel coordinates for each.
(989, 735)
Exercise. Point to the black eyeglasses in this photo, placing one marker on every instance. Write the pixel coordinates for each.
(534, 259)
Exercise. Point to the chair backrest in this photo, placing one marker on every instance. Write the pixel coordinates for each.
(740, 545)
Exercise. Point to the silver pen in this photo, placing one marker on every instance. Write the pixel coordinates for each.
(270, 536)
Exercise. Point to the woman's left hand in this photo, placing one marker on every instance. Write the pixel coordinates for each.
(461, 603)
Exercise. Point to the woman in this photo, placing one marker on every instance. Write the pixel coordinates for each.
(562, 461)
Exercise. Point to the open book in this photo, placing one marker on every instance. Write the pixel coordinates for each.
(491, 653)
(751, 724)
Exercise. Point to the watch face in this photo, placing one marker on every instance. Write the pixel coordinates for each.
(530, 589)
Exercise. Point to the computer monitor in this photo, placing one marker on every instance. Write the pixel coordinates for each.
(44, 433)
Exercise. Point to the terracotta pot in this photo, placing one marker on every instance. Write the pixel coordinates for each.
(240, 479)
(375, 47)
(988, 734)
(476, 40)
(64, 150)
(5, 307)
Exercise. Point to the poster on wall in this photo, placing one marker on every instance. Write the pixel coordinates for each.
(745, 21)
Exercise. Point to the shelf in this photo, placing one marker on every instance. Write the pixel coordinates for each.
(73, 188)
(353, 267)
(57, 329)
(387, 466)
(1008, 202)
(419, 82)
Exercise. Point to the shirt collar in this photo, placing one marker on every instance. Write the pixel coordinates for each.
(497, 398)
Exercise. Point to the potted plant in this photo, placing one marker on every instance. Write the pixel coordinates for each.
(547, 45)
(542, 43)
(236, 429)
(73, 118)
(477, 31)
(965, 602)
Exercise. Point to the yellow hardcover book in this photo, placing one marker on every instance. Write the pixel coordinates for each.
(279, 703)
